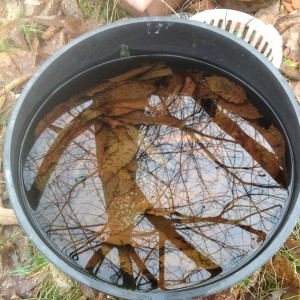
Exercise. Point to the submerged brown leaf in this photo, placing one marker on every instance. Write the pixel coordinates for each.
(130, 91)
(227, 89)
(131, 74)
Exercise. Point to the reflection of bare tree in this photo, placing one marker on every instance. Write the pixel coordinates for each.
(162, 180)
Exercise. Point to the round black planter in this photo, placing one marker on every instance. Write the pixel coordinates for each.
(112, 49)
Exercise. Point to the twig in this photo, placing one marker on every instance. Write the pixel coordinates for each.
(15, 83)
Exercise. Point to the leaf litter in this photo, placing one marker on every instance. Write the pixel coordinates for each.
(61, 21)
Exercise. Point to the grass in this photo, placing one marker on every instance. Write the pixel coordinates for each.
(5, 46)
(40, 269)
(265, 281)
(289, 63)
(30, 30)
(105, 11)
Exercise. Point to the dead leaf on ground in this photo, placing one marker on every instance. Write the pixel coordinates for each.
(54, 44)
(71, 8)
(87, 291)
(16, 63)
(281, 266)
(52, 8)
(33, 7)
(270, 13)
(293, 246)
(10, 9)
(8, 70)
(224, 295)
(10, 284)
(288, 27)
(291, 292)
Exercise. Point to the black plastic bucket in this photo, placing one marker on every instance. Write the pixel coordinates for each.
(115, 48)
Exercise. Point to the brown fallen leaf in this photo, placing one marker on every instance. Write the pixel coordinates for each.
(15, 64)
(131, 74)
(74, 26)
(281, 266)
(226, 88)
(224, 295)
(50, 32)
(52, 8)
(188, 87)
(71, 8)
(33, 7)
(244, 110)
(52, 45)
(173, 86)
(293, 246)
(156, 72)
(7, 217)
(130, 91)
(10, 10)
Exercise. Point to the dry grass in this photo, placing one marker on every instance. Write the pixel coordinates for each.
(103, 11)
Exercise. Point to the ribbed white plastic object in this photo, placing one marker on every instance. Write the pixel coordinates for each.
(265, 38)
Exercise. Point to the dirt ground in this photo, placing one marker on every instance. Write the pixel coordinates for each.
(33, 30)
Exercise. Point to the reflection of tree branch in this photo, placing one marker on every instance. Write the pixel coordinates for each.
(220, 220)
(121, 127)
(161, 261)
(142, 266)
(257, 151)
(66, 136)
(169, 232)
(96, 260)
(138, 117)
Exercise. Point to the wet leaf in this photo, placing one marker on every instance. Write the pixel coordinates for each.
(227, 89)
(244, 110)
(130, 91)
(17, 38)
(188, 87)
(156, 73)
(131, 74)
